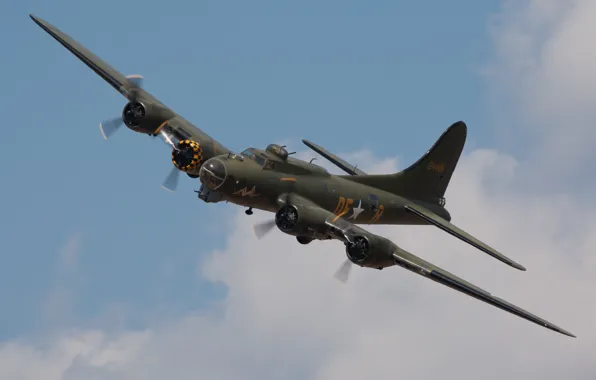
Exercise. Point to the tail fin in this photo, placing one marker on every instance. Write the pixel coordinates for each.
(426, 179)
(430, 175)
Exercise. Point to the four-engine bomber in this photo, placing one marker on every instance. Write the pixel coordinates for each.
(308, 202)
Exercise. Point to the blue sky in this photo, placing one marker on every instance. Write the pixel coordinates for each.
(388, 76)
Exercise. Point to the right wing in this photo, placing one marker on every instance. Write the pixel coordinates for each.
(176, 124)
(382, 252)
(343, 165)
(415, 264)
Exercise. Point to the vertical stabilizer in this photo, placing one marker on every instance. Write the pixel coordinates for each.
(426, 179)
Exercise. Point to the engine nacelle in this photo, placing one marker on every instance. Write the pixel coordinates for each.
(188, 156)
(296, 217)
(144, 117)
(358, 250)
(302, 221)
(369, 250)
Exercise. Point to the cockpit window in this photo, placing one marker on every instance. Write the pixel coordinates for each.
(260, 160)
(236, 157)
(248, 154)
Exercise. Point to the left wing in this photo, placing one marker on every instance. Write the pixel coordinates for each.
(374, 251)
(158, 116)
(446, 226)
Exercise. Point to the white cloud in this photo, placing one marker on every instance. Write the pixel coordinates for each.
(545, 66)
(61, 295)
(285, 316)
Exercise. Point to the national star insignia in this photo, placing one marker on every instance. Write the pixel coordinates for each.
(357, 210)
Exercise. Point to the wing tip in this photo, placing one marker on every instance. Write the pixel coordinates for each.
(35, 19)
(569, 334)
(518, 266)
(561, 331)
(41, 22)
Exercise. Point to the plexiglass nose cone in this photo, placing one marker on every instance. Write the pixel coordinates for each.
(213, 173)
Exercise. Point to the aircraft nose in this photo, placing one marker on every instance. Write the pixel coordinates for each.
(213, 173)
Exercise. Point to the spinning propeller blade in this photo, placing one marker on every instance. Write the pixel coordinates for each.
(135, 82)
(171, 181)
(108, 127)
(263, 228)
(343, 272)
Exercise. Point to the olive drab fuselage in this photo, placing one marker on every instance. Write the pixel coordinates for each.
(257, 178)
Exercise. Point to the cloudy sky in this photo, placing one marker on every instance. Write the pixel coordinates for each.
(105, 275)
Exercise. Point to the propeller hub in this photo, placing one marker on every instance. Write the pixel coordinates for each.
(286, 218)
(358, 250)
(133, 114)
(187, 155)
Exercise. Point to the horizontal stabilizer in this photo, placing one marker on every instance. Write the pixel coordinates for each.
(434, 219)
(343, 165)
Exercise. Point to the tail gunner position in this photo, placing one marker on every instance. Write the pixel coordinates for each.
(308, 202)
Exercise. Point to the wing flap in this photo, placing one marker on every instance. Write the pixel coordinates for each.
(343, 165)
(419, 266)
(446, 226)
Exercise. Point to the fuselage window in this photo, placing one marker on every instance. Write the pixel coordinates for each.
(269, 165)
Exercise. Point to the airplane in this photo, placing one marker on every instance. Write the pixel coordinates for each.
(307, 201)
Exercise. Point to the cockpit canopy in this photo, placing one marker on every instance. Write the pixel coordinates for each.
(255, 156)
(275, 157)
(273, 152)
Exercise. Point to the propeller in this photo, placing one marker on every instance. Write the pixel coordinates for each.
(109, 127)
(134, 85)
(263, 228)
(343, 272)
(171, 181)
